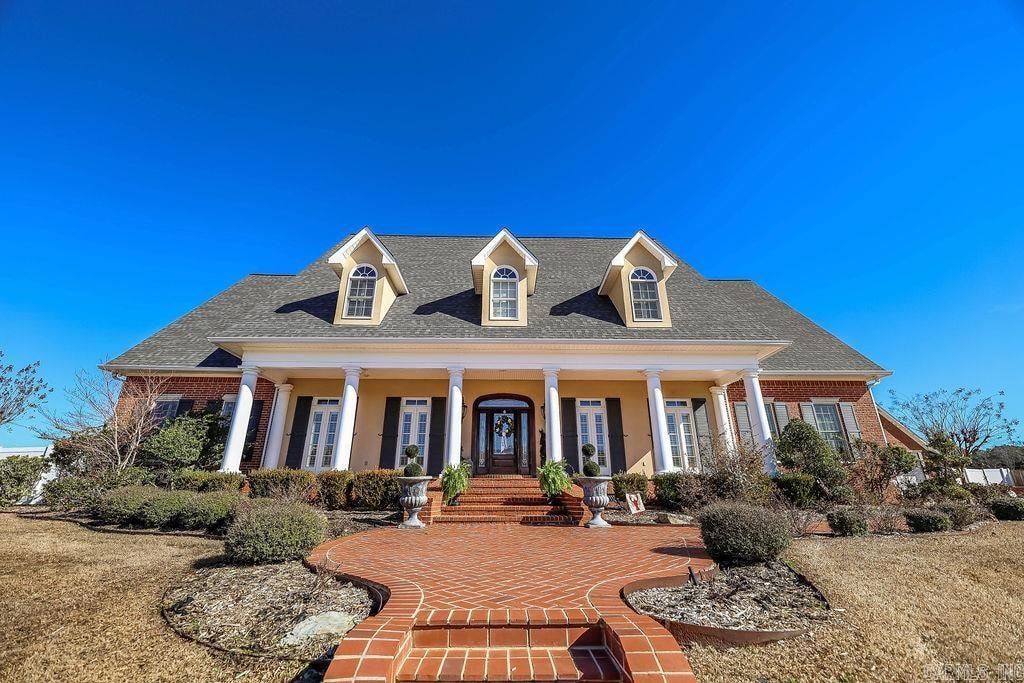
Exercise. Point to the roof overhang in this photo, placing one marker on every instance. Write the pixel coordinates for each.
(337, 260)
(506, 236)
(618, 262)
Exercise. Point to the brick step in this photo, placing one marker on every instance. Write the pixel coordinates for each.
(502, 499)
(491, 506)
(525, 485)
(584, 664)
(517, 518)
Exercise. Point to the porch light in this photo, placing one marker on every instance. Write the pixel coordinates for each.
(464, 408)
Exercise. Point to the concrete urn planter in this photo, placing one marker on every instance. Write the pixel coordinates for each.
(414, 497)
(595, 497)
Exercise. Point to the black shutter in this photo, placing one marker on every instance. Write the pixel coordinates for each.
(250, 430)
(616, 439)
(435, 441)
(389, 435)
(214, 406)
(700, 419)
(570, 439)
(297, 438)
(184, 406)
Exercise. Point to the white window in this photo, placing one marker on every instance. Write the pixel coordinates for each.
(166, 409)
(826, 417)
(593, 429)
(414, 428)
(680, 434)
(227, 407)
(361, 285)
(505, 294)
(644, 287)
(321, 435)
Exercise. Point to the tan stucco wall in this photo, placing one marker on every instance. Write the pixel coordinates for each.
(503, 255)
(636, 424)
(383, 295)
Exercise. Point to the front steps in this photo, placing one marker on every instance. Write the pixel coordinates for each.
(509, 499)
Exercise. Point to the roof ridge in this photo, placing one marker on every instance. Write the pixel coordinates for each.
(528, 237)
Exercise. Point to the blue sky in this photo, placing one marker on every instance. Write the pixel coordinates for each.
(860, 160)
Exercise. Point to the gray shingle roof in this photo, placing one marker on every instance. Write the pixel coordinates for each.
(442, 304)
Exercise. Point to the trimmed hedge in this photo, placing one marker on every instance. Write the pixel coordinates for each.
(798, 488)
(725, 484)
(335, 488)
(847, 522)
(124, 505)
(210, 511)
(376, 489)
(739, 534)
(204, 481)
(922, 520)
(274, 532)
(1008, 509)
(630, 482)
(19, 475)
(680, 491)
(71, 493)
(961, 514)
(165, 509)
(281, 483)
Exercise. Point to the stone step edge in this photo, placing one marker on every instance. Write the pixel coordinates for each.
(528, 616)
(417, 654)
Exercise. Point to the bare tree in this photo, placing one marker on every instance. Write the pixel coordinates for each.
(970, 420)
(109, 419)
(21, 391)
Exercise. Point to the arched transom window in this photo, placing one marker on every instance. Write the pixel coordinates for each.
(505, 293)
(361, 285)
(644, 287)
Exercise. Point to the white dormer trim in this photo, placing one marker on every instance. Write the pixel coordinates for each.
(505, 235)
(618, 262)
(337, 260)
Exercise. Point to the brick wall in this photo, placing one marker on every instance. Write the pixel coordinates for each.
(202, 389)
(795, 392)
(897, 435)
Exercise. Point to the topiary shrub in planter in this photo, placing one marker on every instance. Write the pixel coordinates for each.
(798, 488)
(630, 482)
(591, 469)
(739, 534)
(335, 488)
(210, 511)
(376, 489)
(206, 480)
(274, 532)
(164, 510)
(922, 520)
(412, 467)
(847, 522)
(19, 475)
(1008, 509)
(124, 505)
(71, 494)
(553, 478)
(282, 483)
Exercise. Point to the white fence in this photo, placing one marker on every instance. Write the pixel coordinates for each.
(1000, 475)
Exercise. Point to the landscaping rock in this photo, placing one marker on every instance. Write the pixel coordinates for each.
(675, 519)
(323, 624)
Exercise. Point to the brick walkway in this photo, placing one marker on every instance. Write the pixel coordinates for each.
(510, 602)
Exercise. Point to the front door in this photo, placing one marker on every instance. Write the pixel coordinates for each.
(503, 438)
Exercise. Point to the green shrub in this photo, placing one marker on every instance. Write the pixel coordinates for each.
(177, 444)
(129, 476)
(19, 475)
(376, 489)
(923, 520)
(726, 484)
(801, 447)
(203, 481)
(124, 505)
(798, 488)
(630, 482)
(274, 532)
(210, 511)
(1008, 509)
(71, 493)
(986, 493)
(591, 468)
(282, 483)
(553, 478)
(740, 534)
(165, 509)
(961, 514)
(335, 488)
(455, 480)
(847, 522)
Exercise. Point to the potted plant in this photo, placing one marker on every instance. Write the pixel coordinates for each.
(414, 488)
(553, 479)
(595, 488)
(455, 481)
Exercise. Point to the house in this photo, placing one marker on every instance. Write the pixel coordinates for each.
(506, 352)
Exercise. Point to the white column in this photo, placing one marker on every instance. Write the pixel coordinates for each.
(659, 423)
(275, 432)
(453, 434)
(722, 417)
(347, 419)
(552, 415)
(240, 421)
(759, 420)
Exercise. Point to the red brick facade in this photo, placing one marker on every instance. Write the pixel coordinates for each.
(899, 435)
(795, 392)
(203, 389)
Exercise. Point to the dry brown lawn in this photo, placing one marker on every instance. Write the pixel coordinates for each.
(910, 604)
(82, 605)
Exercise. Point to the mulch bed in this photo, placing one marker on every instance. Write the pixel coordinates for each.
(767, 597)
(253, 610)
(346, 522)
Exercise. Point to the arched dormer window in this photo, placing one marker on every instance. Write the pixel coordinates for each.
(505, 293)
(362, 284)
(643, 286)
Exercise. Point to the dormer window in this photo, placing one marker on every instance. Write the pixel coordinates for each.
(505, 293)
(362, 284)
(644, 289)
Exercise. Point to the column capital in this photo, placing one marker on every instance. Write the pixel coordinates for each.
(352, 371)
(454, 372)
(717, 390)
(247, 368)
(550, 372)
(653, 373)
(284, 387)
(751, 373)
